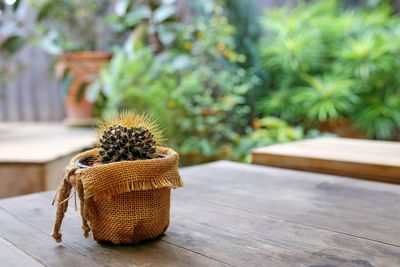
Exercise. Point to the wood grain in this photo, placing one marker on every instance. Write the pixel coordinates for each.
(13, 256)
(368, 159)
(232, 214)
(37, 215)
(362, 208)
(34, 155)
(222, 234)
(18, 179)
(26, 142)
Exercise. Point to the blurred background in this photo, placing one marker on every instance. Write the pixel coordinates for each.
(220, 76)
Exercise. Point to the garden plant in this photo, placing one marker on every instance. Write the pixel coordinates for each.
(222, 78)
(330, 62)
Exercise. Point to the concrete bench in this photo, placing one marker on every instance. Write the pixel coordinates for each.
(367, 159)
(33, 155)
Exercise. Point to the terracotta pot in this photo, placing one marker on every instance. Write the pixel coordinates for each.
(84, 67)
(342, 127)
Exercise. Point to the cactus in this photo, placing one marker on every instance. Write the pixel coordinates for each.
(128, 137)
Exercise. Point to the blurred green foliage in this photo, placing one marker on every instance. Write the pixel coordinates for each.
(219, 81)
(201, 87)
(328, 62)
(57, 26)
(195, 89)
(68, 25)
(268, 131)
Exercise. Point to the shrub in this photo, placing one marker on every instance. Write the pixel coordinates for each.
(195, 88)
(328, 62)
(267, 131)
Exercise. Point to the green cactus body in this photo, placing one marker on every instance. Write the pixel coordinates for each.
(119, 143)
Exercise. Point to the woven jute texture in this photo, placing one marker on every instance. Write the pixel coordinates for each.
(122, 202)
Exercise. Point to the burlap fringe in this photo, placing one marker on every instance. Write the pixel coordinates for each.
(136, 186)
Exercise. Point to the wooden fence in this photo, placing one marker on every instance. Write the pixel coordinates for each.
(33, 95)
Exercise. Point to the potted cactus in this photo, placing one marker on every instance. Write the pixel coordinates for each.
(124, 183)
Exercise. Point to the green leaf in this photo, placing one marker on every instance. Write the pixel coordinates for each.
(168, 2)
(136, 16)
(66, 81)
(49, 43)
(81, 91)
(163, 12)
(16, 4)
(12, 44)
(45, 10)
(93, 92)
(181, 62)
(121, 7)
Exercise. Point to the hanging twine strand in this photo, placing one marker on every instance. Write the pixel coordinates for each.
(85, 225)
(70, 180)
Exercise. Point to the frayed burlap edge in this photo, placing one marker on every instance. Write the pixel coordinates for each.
(106, 180)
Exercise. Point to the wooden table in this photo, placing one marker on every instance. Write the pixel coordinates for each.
(33, 154)
(229, 214)
(367, 159)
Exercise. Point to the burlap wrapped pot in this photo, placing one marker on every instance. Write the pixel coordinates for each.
(122, 202)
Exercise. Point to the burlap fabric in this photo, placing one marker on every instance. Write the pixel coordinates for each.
(122, 202)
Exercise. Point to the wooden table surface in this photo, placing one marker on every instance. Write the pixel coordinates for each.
(22, 142)
(229, 214)
(33, 154)
(368, 159)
